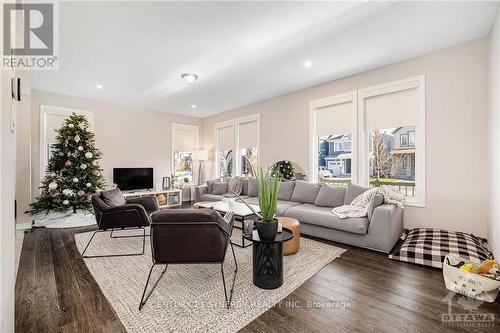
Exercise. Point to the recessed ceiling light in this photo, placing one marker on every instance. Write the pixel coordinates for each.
(308, 63)
(193, 106)
(99, 86)
(190, 78)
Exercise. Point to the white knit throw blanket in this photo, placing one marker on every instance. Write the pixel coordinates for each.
(360, 205)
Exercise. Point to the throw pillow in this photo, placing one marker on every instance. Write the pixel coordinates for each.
(235, 185)
(305, 192)
(330, 196)
(209, 184)
(113, 197)
(286, 191)
(219, 188)
(252, 189)
(429, 247)
(352, 192)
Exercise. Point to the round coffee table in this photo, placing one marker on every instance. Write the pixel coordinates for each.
(268, 259)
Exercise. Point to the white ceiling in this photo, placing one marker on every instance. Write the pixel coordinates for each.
(243, 52)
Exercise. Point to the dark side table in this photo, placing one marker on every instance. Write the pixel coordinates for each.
(268, 259)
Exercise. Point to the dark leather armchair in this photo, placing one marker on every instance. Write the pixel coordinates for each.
(134, 214)
(190, 236)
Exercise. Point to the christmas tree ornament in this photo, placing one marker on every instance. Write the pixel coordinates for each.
(65, 202)
(77, 138)
(81, 193)
(88, 184)
(83, 166)
(61, 153)
(71, 125)
(89, 155)
(67, 163)
(80, 148)
(94, 163)
(53, 186)
(75, 180)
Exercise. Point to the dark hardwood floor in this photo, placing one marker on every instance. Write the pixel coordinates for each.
(360, 291)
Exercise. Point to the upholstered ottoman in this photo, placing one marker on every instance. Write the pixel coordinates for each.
(292, 246)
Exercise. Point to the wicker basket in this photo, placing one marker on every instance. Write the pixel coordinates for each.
(469, 284)
(162, 201)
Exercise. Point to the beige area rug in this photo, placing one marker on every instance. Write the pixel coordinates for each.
(190, 298)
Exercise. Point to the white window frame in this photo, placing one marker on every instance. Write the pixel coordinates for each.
(172, 151)
(350, 96)
(340, 145)
(47, 110)
(400, 85)
(409, 141)
(235, 124)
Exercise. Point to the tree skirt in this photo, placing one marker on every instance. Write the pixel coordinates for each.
(65, 220)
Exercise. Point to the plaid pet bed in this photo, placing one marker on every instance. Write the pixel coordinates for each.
(427, 246)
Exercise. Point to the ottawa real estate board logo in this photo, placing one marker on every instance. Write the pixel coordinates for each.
(30, 36)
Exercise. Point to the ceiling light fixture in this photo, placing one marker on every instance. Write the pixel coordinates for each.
(190, 78)
(307, 63)
(99, 86)
(193, 106)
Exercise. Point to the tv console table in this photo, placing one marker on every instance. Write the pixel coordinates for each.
(173, 196)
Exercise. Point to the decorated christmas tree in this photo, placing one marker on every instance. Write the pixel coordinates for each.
(285, 169)
(73, 173)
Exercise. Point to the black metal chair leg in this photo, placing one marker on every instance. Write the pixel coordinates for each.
(144, 300)
(117, 255)
(91, 238)
(228, 302)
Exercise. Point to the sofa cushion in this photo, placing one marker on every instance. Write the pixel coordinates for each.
(113, 197)
(352, 192)
(323, 216)
(210, 182)
(244, 186)
(305, 192)
(286, 190)
(330, 196)
(252, 189)
(210, 197)
(283, 206)
(219, 188)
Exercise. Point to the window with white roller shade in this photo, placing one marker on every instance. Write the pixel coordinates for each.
(184, 143)
(333, 119)
(392, 110)
(225, 138)
(248, 134)
(373, 136)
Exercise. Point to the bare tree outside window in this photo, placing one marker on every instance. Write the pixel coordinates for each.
(381, 156)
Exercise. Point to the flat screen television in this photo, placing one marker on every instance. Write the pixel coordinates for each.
(128, 179)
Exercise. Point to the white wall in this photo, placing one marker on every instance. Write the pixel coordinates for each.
(127, 137)
(456, 104)
(7, 194)
(494, 140)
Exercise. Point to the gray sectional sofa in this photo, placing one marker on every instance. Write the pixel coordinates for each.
(311, 205)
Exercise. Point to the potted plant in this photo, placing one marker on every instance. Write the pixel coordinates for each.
(269, 185)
